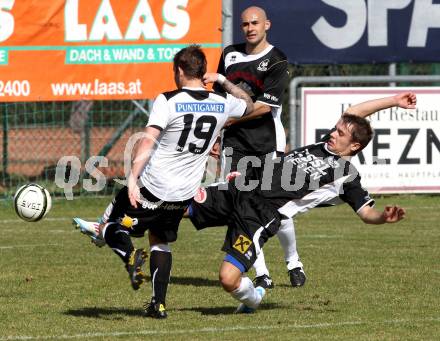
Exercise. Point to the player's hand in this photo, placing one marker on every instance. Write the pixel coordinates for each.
(393, 214)
(215, 150)
(133, 192)
(210, 77)
(406, 100)
(230, 122)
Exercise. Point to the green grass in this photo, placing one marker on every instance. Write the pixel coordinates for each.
(364, 282)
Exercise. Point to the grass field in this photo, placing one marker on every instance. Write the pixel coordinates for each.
(364, 282)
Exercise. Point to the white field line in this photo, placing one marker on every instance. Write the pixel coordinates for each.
(22, 227)
(321, 236)
(27, 246)
(216, 330)
(18, 220)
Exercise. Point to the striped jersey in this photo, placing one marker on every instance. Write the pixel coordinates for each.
(264, 76)
(313, 176)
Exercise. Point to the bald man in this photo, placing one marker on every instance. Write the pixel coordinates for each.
(261, 70)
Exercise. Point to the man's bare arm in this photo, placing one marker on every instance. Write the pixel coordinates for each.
(406, 100)
(260, 109)
(390, 214)
(141, 157)
(231, 88)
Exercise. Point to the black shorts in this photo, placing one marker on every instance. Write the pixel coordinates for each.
(250, 220)
(162, 218)
(249, 171)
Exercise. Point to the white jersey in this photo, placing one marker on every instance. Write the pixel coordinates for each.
(190, 119)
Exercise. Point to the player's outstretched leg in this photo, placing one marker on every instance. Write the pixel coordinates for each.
(118, 239)
(241, 288)
(91, 229)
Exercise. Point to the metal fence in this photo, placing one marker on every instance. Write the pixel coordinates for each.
(36, 135)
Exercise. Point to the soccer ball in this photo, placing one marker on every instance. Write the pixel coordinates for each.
(32, 202)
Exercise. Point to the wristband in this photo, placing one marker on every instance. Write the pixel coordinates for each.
(220, 79)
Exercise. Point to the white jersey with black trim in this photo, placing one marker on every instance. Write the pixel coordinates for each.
(190, 119)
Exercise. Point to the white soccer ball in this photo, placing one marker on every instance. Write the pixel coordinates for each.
(32, 202)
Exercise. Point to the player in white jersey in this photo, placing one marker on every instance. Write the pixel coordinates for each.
(167, 170)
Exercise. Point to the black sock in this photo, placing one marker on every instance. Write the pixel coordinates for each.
(119, 241)
(160, 270)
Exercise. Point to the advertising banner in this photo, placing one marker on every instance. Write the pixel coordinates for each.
(404, 155)
(351, 31)
(99, 49)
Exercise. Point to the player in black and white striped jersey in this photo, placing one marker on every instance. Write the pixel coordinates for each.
(262, 70)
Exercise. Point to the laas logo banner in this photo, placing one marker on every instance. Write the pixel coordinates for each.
(99, 49)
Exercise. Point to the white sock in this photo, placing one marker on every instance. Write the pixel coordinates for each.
(160, 248)
(260, 265)
(287, 238)
(247, 294)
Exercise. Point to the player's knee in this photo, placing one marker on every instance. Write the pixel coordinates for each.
(154, 239)
(229, 281)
